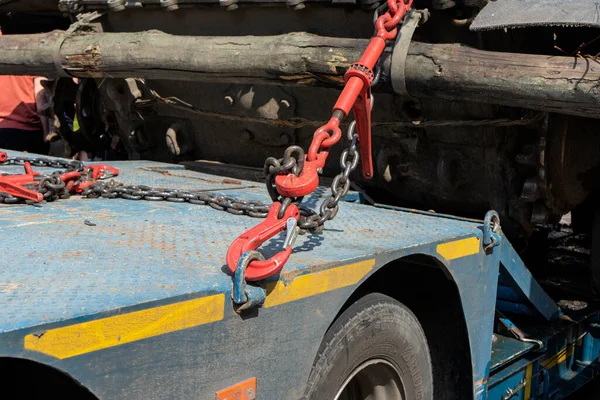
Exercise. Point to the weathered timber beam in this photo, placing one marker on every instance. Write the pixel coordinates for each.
(293, 58)
(566, 85)
(559, 84)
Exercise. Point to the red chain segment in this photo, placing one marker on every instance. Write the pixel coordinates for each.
(356, 95)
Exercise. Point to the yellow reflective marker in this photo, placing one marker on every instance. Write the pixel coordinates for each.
(74, 340)
(317, 283)
(558, 358)
(459, 248)
(528, 374)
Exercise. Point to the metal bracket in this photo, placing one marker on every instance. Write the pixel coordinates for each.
(492, 233)
(246, 297)
(400, 51)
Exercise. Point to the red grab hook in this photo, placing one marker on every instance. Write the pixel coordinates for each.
(255, 237)
(101, 171)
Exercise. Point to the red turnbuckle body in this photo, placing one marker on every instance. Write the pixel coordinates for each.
(14, 184)
(255, 237)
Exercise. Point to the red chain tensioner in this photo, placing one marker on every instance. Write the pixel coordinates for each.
(355, 96)
(14, 184)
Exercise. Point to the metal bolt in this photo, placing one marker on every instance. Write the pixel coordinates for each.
(319, 171)
(229, 100)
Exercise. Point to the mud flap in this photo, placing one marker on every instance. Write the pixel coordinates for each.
(523, 13)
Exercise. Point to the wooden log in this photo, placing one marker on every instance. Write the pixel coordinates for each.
(567, 85)
(559, 84)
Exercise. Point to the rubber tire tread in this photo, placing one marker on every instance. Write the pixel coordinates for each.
(376, 326)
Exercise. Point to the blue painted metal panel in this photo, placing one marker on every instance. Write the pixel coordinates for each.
(60, 271)
(521, 281)
(142, 251)
(506, 350)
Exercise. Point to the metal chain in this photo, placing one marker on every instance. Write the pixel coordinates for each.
(73, 165)
(111, 190)
(340, 186)
(309, 219)
(52, 187)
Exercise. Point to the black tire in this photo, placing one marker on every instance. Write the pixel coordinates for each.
(376, 329)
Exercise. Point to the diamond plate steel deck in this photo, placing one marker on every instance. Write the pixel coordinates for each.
(55, 267)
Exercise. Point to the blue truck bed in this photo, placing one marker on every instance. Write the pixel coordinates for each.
(132, 299)
(58, 268)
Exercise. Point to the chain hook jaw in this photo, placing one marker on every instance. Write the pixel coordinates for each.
(101, 171)
(255, 237)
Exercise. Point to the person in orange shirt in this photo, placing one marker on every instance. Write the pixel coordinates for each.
(22, 98)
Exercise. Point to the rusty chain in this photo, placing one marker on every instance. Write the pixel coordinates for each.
(310, 220)
(53, 188)
(233, 205)
(73, 165)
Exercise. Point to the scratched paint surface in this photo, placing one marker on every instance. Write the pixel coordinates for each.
(54, 267)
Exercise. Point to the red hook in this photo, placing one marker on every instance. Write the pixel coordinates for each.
(307, 181)
(101, 171)
(3, 156)
(255, 237)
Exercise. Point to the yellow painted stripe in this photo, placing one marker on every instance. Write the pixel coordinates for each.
(558, 358)
(528, 375)
(317, 283)
(458, 248)
(74, 340)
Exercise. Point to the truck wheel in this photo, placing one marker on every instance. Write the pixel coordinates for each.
(375, 350)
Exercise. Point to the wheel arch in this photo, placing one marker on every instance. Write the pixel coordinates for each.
(46, 381)
(423, 284)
